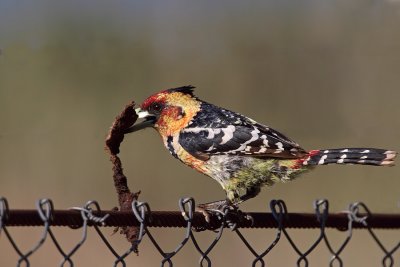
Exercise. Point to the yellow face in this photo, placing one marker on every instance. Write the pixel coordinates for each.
(169, 112)
(172, 110)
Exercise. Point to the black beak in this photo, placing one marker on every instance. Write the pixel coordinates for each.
(148, 121)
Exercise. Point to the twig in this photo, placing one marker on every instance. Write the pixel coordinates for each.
(115, 137)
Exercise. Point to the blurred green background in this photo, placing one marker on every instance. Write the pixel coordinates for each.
(326, 73)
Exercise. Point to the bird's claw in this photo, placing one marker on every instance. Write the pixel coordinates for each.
(207, 213)
(225, 212)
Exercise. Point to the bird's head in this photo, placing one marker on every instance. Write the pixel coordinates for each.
(168, 111)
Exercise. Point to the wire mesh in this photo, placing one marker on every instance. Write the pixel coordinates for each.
(90, 215)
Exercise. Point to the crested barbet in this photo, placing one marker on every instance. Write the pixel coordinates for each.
(241, 154)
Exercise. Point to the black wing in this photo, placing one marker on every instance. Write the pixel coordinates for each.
(216, 131)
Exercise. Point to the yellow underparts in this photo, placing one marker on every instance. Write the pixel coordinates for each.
(185, 156)
(261, 172)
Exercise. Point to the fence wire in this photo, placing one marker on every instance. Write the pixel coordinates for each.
(90, 215)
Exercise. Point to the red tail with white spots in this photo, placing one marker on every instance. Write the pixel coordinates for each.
(364, 156)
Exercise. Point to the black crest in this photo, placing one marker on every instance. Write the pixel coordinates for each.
(187, 90)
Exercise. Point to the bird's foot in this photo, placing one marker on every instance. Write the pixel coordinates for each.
(222, 210)
(213, 207)
(213, 212)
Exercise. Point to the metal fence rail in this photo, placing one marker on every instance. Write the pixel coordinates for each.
(142, 218)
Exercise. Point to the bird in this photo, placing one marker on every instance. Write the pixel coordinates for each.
(241, 154)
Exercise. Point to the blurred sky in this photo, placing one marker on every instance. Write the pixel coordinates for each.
(326, 73)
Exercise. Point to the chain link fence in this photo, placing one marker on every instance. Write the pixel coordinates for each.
(143, 219)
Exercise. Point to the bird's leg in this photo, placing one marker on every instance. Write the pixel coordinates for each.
(233, 214)
(215, 205)
(250, 193)
(218, 206)
(212, 208)
(240, 216)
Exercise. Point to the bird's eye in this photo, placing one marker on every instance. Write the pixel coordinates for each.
(156, 107)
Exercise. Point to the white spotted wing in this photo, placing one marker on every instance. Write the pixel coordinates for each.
(224, 132)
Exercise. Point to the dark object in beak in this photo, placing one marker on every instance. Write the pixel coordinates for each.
(149, 121)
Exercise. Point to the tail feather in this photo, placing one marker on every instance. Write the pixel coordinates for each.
(365, 156)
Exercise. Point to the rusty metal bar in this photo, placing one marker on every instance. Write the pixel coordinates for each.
(73, 218)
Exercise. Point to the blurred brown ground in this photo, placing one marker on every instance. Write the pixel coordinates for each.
(326, 73)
